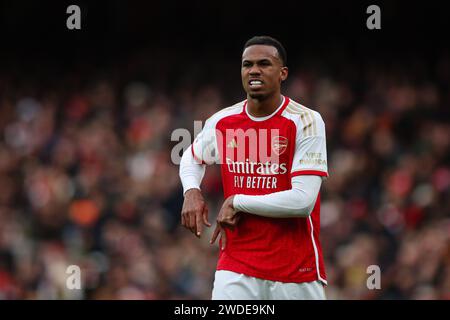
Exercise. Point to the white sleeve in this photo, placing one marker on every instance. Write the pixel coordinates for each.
(310, 157)
(203, 151)
(296, 202)
(204, 148)
(191, 173)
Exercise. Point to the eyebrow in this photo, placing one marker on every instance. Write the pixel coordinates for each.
(257, 61)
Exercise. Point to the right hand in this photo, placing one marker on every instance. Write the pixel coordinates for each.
(195, 212)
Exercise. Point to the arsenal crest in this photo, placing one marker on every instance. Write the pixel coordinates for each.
(279, 144)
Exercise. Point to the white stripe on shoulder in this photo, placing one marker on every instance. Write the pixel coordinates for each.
(307, 124)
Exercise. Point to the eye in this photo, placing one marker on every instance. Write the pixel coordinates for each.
(246, 64)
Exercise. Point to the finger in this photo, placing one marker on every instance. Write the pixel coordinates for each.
(223, 238)
(192, 222)
(205, 217)
(199, 225)
(215, 234)
(182, 220)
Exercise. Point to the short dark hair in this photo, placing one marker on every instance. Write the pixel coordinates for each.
(268, 41)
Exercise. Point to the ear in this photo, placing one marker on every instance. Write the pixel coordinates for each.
(284, 73)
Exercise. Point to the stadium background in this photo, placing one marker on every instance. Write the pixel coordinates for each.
(86, 117)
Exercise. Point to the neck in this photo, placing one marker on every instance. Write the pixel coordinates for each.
(262, 108)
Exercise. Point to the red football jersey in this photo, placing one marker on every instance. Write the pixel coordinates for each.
(260, 156)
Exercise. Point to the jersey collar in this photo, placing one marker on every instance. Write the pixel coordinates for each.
(278, 111)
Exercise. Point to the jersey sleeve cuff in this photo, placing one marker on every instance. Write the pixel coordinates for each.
(190, 184)
(309, 172)
(237, 202)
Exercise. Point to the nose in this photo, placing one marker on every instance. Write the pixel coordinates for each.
(254, 70)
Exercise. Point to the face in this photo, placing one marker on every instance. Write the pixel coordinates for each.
(262, 71)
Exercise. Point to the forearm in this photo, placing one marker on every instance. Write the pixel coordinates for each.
(296, 202)
(191, 173)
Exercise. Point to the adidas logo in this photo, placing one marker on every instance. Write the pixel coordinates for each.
(232, 144)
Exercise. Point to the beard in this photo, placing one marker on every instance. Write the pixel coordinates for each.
(258, 96)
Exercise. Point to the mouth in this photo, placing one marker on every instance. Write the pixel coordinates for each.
(255, 84)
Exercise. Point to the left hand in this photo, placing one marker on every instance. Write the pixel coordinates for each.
(227, 217)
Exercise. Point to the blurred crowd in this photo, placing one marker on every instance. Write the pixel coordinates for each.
(87, 176)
